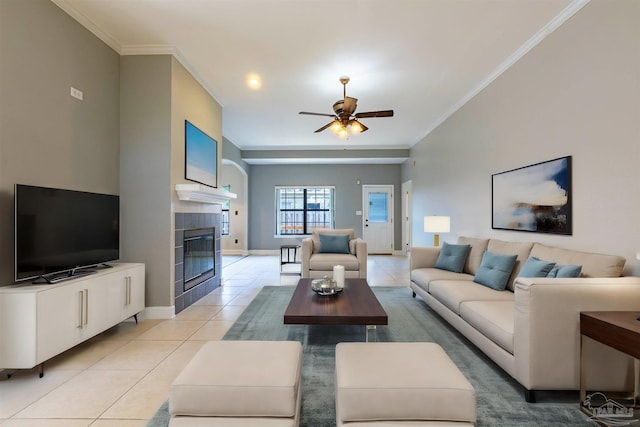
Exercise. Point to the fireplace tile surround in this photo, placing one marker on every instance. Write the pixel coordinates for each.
(186, 221)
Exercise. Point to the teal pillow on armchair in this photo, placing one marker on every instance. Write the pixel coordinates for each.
(334, 243)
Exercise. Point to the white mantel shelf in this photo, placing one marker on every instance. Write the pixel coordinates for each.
(203, 194)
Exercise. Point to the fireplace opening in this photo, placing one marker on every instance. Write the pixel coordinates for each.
(199, 252)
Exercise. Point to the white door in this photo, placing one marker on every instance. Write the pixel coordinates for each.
(378, 218)
(406, 217)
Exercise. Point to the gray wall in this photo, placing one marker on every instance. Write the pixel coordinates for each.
(263, 179)
(233, 153)
(158, 94)
(575, 94)
(48, 138)
(145, 171)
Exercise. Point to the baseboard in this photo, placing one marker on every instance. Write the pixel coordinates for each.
(234, 252)
(264, 252)
(158, 312)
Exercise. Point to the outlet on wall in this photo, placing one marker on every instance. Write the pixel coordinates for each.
(76, 93)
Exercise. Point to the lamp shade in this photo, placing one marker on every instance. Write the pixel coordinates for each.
(437, 224)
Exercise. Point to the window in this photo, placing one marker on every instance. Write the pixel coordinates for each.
(300, 210)
(225, 213)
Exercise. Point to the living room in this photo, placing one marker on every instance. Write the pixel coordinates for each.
(574, 94)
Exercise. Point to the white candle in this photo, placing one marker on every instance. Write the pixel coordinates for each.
(338, 275)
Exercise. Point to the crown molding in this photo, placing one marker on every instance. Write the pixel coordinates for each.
(107, 38)
(551, 26)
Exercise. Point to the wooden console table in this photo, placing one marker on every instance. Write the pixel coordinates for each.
(617, 329)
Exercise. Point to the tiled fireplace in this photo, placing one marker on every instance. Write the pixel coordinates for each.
(198, 257)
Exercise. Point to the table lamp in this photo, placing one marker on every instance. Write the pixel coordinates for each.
(437, 224)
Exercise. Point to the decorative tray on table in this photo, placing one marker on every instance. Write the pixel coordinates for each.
(325, 287)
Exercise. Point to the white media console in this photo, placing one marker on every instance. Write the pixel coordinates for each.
(38, 322)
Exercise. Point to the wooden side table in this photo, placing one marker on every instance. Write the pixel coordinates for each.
(617, 329)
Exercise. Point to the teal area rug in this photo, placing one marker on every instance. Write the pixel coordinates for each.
(500, 399)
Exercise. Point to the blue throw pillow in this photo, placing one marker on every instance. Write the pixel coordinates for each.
(334, 243)
(535, 267)
(565, 271)
(452, 257)
(494, 270)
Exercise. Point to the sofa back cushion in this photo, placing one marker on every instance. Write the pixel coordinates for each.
(522, 250)
(593, 265)
(315, 236)
(478, 246)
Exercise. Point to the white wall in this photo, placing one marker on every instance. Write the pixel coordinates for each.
(577, 93)
(236, 242)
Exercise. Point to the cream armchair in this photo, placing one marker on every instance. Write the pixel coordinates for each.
(318, 262)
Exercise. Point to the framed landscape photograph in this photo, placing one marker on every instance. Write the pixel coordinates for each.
(534, 198)
(201, 156)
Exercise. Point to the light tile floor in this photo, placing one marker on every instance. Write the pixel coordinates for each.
(121, 377)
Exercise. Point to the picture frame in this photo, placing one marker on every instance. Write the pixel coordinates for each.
(534, 198)
(201, 156)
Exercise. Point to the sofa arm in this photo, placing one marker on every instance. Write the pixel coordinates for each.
(305, 257)
(547, 332)
(361, 255)
(423, 257)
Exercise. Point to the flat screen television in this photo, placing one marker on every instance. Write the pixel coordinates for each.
(60, 231)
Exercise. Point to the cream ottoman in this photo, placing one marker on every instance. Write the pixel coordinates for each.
(239, 383)
(398, 384)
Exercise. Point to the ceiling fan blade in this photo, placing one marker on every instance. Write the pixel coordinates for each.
(323, 127)
(364, 128)
(317, 114)
(383, 113)
(350, 105)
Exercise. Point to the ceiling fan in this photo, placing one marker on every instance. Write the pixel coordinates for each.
(344, 121)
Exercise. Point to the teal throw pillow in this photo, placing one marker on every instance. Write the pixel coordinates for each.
(535, 267)
(494, 270)
(565, 271)
(334, 243)
(452, 257)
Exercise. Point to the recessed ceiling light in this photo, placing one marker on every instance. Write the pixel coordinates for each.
(254, 81)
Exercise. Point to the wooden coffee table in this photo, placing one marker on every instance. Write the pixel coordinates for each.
(356, 305)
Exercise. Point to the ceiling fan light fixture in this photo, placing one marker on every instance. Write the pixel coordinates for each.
(342, 133)
(355, 127)
(335, 126)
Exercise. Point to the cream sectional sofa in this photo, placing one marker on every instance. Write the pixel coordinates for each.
(531, 329)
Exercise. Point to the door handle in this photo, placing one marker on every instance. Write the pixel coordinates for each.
(81, 309)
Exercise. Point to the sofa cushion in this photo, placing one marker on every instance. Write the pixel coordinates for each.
(478, 246)
(452, 257)
(452, 293)
(423, 276)
(593, 265)
(327, 261)
(534, 267)
(495, 270)
(565, 271)
(315, 236)
(334, 243)
(521, 249)
(493, 319)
